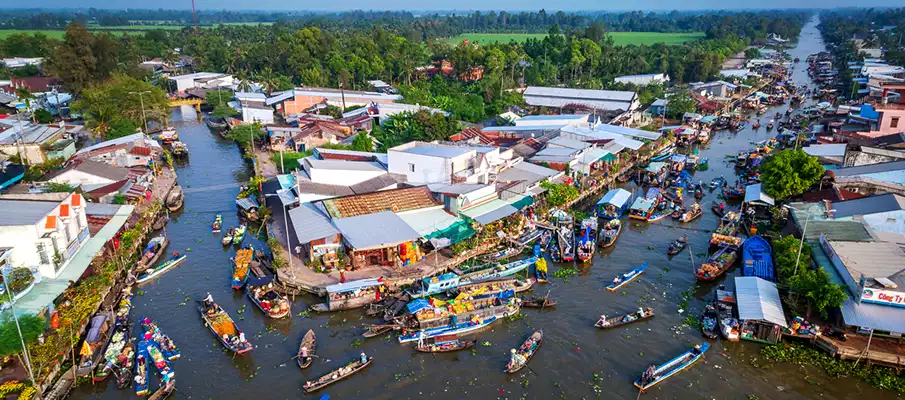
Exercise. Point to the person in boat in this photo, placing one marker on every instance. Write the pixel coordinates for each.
(648, 374)
(603, 321)
(304, 352)
(242, 337)
(517, 359)
(696, 350)
(364, 357)
(140, 380)
(617, 280)
(175, 254)
(209, 300)
(641, 312)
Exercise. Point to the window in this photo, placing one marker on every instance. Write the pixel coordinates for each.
(411, 167)
(894, 122)
(891, 220)
(42, 252)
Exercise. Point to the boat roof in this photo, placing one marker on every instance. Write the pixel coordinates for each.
(758, 299)
(354, 285)
(757, 259)
(445, 277)
(755, 194)
(616, 197)
(642, 204)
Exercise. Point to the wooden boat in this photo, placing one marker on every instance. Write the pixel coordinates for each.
(709, 325)
(566, 241)
(228, 237)
(527, 351)
(273, 304)
(756, 258)
(717, 182)
(337, 375)
(377, 330)
(179, 149)
(642, 208)
(168, 136)
(464, 324)
(626, 319)
(538, 302)
(718, 263)
(309, 341)
(493, 287)
(733, 192)
(152, 251)
(658, 215)
(144, 370)
(118, 349)
(502, 254)
(215, 123)
(95, 344)
(691, 215)
(175, 198)
(699, 193)
(527, 239)
(610, 232)
(165, 266)
(587, 241)
(500, 271)
(167, 346)
(217, 224)
(623, 279)
(613, 204)
(672, 367)
(445, 344)
(727, 322)
(241, 268)
(156, 358)
(718, 208)
(165, 390)
(540, 270)
(125, 366)
(239, 234)
(677, 246)
(223, 327)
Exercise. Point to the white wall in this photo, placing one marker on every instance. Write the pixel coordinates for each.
(184, 84)
(257, 114)
(419, 168)
(25, 238)
(76, 178)
(344, 177)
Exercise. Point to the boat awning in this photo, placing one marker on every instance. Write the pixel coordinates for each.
(655, 166)
(520, 202)
(708, 119)
(616, 197)
(95, 332)
(417, 304)
(352, 286)
(426, 222)
(754, 194)
(642, 204)
(490, 211)
(873, 316)
(758, 300)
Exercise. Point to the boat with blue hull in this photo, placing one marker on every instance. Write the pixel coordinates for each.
(613, 204)
(458, 330)
(757, 259)
(665, 371)
(627, 277)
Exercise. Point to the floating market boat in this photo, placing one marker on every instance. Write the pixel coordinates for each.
(642, 208)
(671, 367)
(99, 335)
(175, 198)
(125, 365)
(610, 232)
(566, 240)
(168, 136)
(538, 302)
(626, 319)
(166, 345)
(525, 352)
(228, 237)
(500, 271)
(309, 342)
(727, 321)
(540, 270)
(239, 234)
(337, 375)
(261, 293)
(215, 123)
(143, 370)
(114, 356)
(677, 246)
(694, 213)
(152, 251)
(717, 182)
(505, 253)
(709, 325)
(223, 327)
(240, 268)
(613, 204)
(434, 285)
(217, 224)
(445, 344)
(151, 273)
(457, 319)
(157, 359)
(659, 215)
(718, 208)
(757, 258)
(623, 279)
(717, 263)
(587, 241)
(494, 287)
(377, 330)
(180, 149)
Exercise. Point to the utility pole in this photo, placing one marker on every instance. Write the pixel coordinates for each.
(20, 141)
(19, 328)
(142, 99)
(342, 93)
(194, 17)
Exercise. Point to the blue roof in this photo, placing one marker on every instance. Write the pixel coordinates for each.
(247, 203)
(757, 259)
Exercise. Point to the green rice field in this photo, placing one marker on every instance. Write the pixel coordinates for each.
(619, 38)
(114, 29)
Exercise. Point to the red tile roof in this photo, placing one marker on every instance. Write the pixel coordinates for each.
(140, 151)
(395, 200)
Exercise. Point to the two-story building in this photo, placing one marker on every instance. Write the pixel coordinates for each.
(423, 162)
(302, 100)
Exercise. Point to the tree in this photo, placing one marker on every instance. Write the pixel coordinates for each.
(43, 116)
(789, 173)
(223, 111)
(244, 134)
(59, 187)
(362, 142)
(10, 343)
(332, 111)
(679, 104)
(821, 293)
(217, 97)
(785, 252)
(117, 104)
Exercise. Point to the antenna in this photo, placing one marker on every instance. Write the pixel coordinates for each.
(194, 17)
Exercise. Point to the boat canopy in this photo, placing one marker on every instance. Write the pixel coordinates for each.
(755, 194)
(256, 281)
(354, 285)
(642, 204)
(678, 158)
(655, 166)
(757, 258)
(616, 197)
(758, 300)
(417, 304)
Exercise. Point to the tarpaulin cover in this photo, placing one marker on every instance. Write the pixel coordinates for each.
(418, 304)
(95, 332)
(255, 281)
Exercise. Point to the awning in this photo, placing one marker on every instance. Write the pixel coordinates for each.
(426, 222)
(352, 286)
(616, 197)
(678, 158)
(755, 194)
(758, 300)
(520, 202)
(655, 166)
(873, 316)
(708, 119)
(247, 203)
(490, 211)
(642, 204)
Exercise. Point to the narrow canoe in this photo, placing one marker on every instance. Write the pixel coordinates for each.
(621, 320)
(309, 341)
(159, 270)
(674, 366)
(445, 344)
(627, 277)
(527, 350)
(337, 375)
(220, 323)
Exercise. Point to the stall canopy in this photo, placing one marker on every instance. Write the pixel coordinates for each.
(490, 211)
(758, 300)
(754, 194)
(352, 286)
(873, 316)
(678, 158)
(642, 204)
(616, 197)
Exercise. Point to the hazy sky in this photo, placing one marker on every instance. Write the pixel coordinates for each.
(457, 5)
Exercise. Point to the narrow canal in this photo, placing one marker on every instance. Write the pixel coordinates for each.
(576, 361)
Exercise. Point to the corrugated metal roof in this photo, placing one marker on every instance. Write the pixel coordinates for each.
(826, 150)
(310, 224)
(626, 131)
(758, 300)
(20, 212)
(568, 143)
(870, 169)
(429, 221)
(491, 211)
(616, 197)
(611, 95)
(353, 285)
(375, 231)
(755, 194)
(869, 205)
(872, 259)
(396, 200)
(874, 316)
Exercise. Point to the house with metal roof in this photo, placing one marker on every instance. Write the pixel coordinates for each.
(581, 99)
(643, 79)
(883, 212)
(886, 177)
(303, 99)
(760, 313)
(424, 162)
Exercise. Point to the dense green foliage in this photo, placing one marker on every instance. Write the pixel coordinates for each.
(244, 134)
(789, 173)
(406, 127)
(811, 285)
(114, 108)
(10, 343)
(559, 193)
(679, 104)
(55, 187)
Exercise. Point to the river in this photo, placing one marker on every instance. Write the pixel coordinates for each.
(576, 360)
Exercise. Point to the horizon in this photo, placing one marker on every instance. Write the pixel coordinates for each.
(171, 5)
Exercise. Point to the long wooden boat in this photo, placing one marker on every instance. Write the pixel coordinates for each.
(610, 232)
(756, 258)
(152, 251)
(175, 198)
(658, 215)
(500, 271)
(677, 246)
(502, 254)
(309, 341)
(642, 208)
(166, 345)
(566, 241)
(538, 302)
(718, 208)
(337, 375)
(157, 358)
(239, 234)
(217, 224)
(122, 330)
(709, 322)
(165, 266)
(143, 370)
(273, 304)
(223, 327)
(96, 341)
(377, 330)
(445, 344)
(672, 367)
(241, 269)
(626, 319)
(460, 329)
(494, 287)
(733, 192)
(540, 270)
(623, 279)
(228, 237)
(718, 263)
(125, 365)
(587, 241)
(691, 215)
(164, 391)
(527, 351)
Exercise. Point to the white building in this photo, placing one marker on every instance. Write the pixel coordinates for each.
(550, 120)
(90, 175)
(128, 151)
(382, 111)
(341, 172)
(252, 108)
(643, 80)
(19, 62)
(601, 100)
(423, 162)
(44, 234)
(181, 83)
